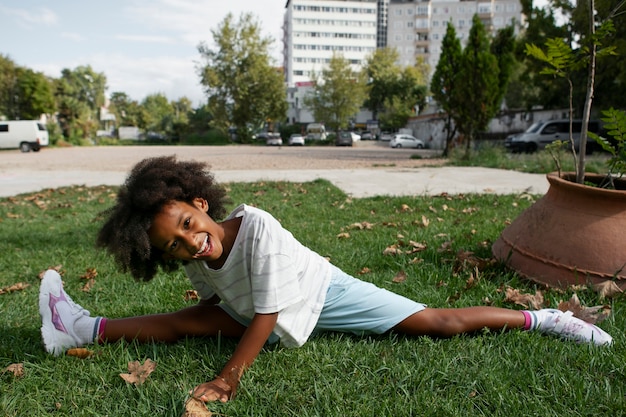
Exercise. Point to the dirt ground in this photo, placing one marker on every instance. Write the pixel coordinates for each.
(234, 157)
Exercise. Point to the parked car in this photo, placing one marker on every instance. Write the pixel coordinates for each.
(344, 139)
(406, 141)
(274, 139)
(367, 135)
(355, 136)
(296, 140)
(545, 132)
(386, 136)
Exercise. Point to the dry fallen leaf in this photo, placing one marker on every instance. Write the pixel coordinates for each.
(191, 295)
(15, 287)
(17, 369)
(196, 408)
(56, 268)
(392, 250)
(534, 301)
(138, 373)
(364, 271)
(400, 277)
(90, 273)
(81, 353)
(591, 315)
(344, 235)
(607, 289)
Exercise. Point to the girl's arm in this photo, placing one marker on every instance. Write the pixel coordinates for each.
(225, 385)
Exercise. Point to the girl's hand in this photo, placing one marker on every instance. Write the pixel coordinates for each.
(216, 390)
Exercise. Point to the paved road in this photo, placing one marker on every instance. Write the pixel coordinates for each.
(366, 170)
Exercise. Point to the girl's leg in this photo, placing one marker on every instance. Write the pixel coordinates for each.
(446, 322)
(198, 320)
(452, 321)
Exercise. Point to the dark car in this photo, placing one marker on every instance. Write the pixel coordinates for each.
(344, 139)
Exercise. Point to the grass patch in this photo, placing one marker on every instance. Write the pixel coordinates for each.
(493, 373)
(491, 155)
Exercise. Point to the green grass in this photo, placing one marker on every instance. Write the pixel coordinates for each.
(490, 374)
(496, 156)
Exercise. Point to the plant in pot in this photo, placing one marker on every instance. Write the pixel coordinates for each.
(574, 234)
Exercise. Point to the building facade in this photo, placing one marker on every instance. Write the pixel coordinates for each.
(417, 28)
(313, 30)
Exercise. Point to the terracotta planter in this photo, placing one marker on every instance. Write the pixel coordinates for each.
(575, 234)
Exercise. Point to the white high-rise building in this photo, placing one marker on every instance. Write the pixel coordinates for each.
(416, 28)
(315, 29)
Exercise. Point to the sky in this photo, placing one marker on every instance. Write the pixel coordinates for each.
(142, 46)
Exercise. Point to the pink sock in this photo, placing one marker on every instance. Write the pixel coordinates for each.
(99, 336)
(527, 320)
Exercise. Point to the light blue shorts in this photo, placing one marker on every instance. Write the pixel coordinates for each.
(359, 307)
(354, 306)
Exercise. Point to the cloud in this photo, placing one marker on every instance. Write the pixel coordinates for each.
(146, 39)
(174, 77)
(29, 18)
(72, 36)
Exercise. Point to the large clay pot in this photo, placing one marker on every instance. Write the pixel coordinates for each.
(575, 234)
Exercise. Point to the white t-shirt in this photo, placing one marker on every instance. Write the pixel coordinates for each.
(268, 271)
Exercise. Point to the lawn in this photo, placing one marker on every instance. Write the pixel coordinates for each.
(492, 373)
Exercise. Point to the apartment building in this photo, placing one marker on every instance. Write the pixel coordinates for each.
(416, 28)
(315, 29)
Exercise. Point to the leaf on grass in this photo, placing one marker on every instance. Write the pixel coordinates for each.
(15, 287)
(607, 289)
(425, 221)
(90, 273)
(591, 315)
(364, 271)
(400, 277)
(361, 226)
(344, 235)
(17, 369)
(138, 373)
(56, 268)
(445, 247)
(534, 301)
(196, 408)
(81, 353)
(392, 250)
(88, 285)
(466, 259)
(405, 207)
(191, 295)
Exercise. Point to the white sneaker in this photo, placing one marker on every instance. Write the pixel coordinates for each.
(566, 326)
(58, 315)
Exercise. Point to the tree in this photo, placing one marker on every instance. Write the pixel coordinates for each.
(157, 115)
(503, 48)
(79, 94)
(478, 92)
(394, 92)
(34, 95)
(8, 86)
(382, 73)
(243, 88)
(127, 112)
(528, 87)
(338, 94)
(24, 93)
(445, 82)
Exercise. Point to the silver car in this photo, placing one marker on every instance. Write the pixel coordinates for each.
(406, 141)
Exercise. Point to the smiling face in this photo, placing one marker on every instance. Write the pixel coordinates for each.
(186, 232)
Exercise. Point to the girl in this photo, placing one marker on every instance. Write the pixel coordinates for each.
(255, 280)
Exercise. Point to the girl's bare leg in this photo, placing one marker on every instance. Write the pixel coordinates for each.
(198, 320)
(446, 322)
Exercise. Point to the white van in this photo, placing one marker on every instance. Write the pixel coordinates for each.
(23, 134)
(545, 132)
